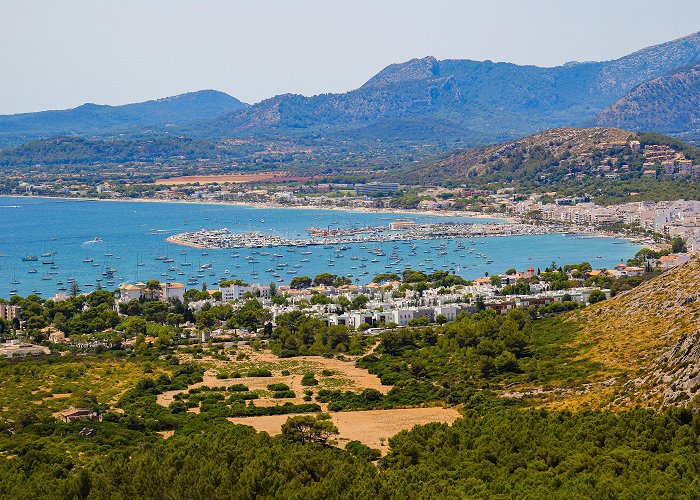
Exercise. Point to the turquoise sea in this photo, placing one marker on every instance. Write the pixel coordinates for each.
(103, 244)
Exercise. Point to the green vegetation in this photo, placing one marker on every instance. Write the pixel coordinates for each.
(298, 334)
(363, 451)
(308, 429)
(309, 379)
(501, 452)
(503, 446)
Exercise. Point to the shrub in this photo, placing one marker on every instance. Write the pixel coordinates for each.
(309, 379)
(238, 388)
(363, 451)
(283, 394)
(277, 387)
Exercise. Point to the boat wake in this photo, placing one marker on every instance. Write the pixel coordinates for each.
(93, 241)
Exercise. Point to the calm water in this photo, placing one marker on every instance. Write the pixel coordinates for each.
(133, 232)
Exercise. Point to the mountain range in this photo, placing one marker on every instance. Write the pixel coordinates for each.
(94, 119)
(497, 99)
(424, 99)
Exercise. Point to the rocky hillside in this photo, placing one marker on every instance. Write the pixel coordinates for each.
(647, 339)
(670, 103)
(551, 154)
(497, 99)
(458, 100)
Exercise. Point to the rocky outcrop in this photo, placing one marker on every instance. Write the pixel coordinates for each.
(675, 375)
(670, 103)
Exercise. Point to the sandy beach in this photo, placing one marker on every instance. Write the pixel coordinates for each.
(393, 211)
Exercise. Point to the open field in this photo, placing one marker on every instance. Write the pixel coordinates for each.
(344, 376)
(372, 427)
(230, 178)
(51, 385)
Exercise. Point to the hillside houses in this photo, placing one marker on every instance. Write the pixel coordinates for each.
(390, 303)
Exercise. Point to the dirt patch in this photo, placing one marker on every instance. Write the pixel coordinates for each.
(373, 427)
(230, 178)
(345, 376)
(166, 434)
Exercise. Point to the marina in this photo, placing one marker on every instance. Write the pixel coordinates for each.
(93, 245)
(224, 238)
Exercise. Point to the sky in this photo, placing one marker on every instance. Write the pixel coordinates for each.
(60, 54)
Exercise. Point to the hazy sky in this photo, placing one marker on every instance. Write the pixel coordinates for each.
(59, 54)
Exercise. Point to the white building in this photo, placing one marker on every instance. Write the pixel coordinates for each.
(172, 291)
(450, 312)
(235, 292)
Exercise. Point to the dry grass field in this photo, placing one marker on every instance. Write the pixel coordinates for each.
(230, 178)
(372, 427)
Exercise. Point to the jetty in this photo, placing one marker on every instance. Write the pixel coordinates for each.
(224, 238)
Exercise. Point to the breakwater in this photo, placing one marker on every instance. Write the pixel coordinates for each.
(224, 238)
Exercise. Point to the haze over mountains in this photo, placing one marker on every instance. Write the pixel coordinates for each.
(420, 100)
(496, 99)
(95, 119)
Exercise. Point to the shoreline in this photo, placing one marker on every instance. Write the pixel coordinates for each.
(504, 218)
(273, 206)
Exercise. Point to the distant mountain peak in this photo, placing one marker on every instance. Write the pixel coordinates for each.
(415, 69)
(102, 119)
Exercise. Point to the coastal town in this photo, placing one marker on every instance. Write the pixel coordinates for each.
(319, 250)
(388, 301)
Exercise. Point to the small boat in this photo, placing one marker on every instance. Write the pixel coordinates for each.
(29, 258)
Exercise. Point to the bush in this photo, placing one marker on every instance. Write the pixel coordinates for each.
(277, 387)
(363, 451)
(596, 296)
(309, 379)
(238, 388)
(256, 411)
(259, 372)
(283, 394)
